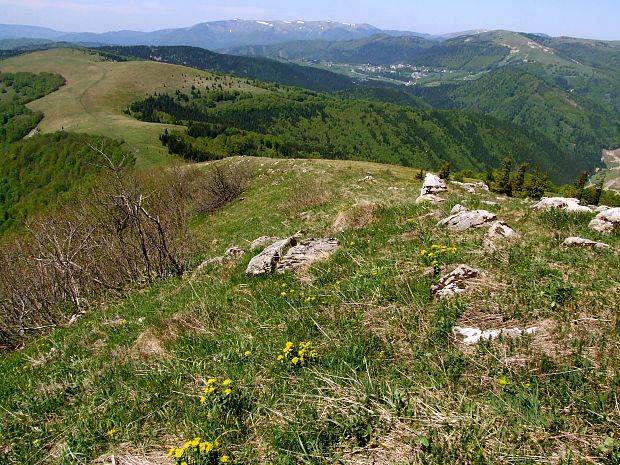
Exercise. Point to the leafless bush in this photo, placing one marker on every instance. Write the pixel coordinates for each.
(219, 186)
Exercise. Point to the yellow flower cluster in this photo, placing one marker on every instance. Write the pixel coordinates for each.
(436, 252)
(215, 389)
(304, 353)
(310, 299)
(197, 451)
(111, 433)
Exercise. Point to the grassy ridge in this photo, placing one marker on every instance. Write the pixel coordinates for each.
(388, 385)
(97, 91)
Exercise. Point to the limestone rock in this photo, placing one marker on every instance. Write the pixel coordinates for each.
(307, 252)
(468, 219)
(456, 282)
(564, 203)
(600, 208)
(433, 185)
(580, 242)
(458, 208)
(367, 179)
(267, 260)
(431, 198)
(472, 336)
(263, 241)
(606, 221)
(471, 186)
(500, 230)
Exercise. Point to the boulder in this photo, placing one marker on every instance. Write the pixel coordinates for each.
(458, 208)
(471, 336)
(307, 252)
(606, 221)
(263, 241)
(267, 260)
(564, 203)
(431, 198)
(500, 230)
(456, 282)
(600, 208)
(468, 219)
(433, 185)
(580, 242)
(471, 186)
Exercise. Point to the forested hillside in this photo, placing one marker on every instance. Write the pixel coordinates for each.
(519, 94)
(308, 124)
(41, 170)
(243, 67)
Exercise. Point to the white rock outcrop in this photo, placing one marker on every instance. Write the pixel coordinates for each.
(500, 230)
(581, 242)
(606, 221)
(433, 185)
(431, 198)
(457, 282)
(468, 219)
(307, 252)
(470, 336)
(567, 204)
(471, 186)
(267, 261)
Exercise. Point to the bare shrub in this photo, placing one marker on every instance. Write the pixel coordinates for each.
(219, 186)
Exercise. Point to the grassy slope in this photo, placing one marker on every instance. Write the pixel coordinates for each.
(388, 385)
(98, 91)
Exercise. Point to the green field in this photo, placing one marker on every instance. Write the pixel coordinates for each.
(97, 92)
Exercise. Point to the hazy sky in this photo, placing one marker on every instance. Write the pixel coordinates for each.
(580, 18)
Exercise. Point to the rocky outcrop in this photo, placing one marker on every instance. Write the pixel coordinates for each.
(471, 186)
(581, 242)
(431, 198)
(567, 204)
(457, 282)
(307, 252)
(470, 336)
(501, 230)
(263, 241)
(432, 185)
(468, 219)
(267, 261)
(606, 221)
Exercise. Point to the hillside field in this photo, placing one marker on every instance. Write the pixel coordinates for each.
(97, 91)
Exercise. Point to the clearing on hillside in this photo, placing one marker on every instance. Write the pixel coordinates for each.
(98, 90)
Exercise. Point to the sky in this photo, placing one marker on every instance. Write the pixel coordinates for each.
(578, 18)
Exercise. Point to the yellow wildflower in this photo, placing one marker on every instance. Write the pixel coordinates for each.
(210, 381)
(288, 347)
(112, 432)
(203, 400)
(195, 442)
(283, 294)
(225, 459)
(171, 452)
(423, 252)
(247, 353)
(227, 391)
(502, 381)
(280, 357)
(179, 453)
(284, 285)
(295, 360)
(227, 382)
(352, 243)
(183, 463)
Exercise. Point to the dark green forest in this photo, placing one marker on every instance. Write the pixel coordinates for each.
(288, 122)
(39, 171)
(262, 69)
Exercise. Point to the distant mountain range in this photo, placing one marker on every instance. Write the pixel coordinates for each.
(219, 35)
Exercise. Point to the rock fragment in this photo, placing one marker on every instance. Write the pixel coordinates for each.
(307, 252)
(468, 219)
(500, 230)
(433, 185)
(267, 260)
(470, 336)
(581, 242)
(431, 198)
(567, 204)
(457, 282)
(606, 221)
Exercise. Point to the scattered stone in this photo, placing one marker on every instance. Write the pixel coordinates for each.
(458, 208)
(367, 179)
(267, 260)
(606, 221)
(567, 204)
(600, 208)
(490, 203)
(457, 282)
(433, 185)
(470, 336)
(263, 241)
(395, 189)
(432, 198)
(500, 230)
(468, 219)
(580, 242)
(307, 252)
(471, 186)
